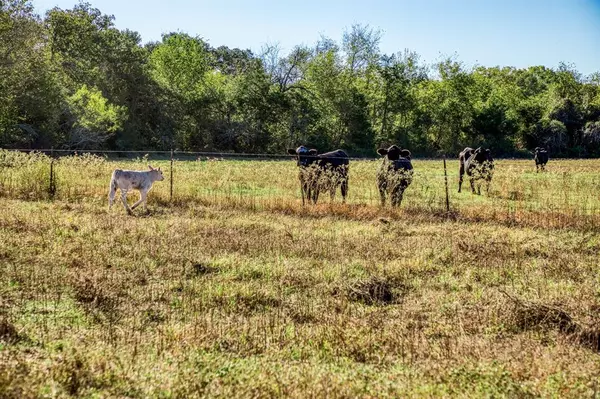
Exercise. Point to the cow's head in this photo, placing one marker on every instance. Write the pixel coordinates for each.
(157, 174)
(482, 155)
(540, 149)
(394, 153)
(304, 156)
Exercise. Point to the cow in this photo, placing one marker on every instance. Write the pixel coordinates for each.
(394, 174)
(478, 164)
(126, 180)
(541, 158)
(321, 171)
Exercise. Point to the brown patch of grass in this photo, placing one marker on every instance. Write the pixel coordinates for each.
(528, 315)
(247, 303)
(202, 268)
(96, 294)
(74, 374)
(8, 332)
(374, 290)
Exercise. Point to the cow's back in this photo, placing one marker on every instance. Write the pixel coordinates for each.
(481, 161)
(131, 179)
(334, 158)
(465, 154)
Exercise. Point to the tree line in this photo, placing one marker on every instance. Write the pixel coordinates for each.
(71, 79)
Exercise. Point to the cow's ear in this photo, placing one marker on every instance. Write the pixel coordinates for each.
(487, 150)
(312, 151)
(291, 151)
(382, 151)
(405, 153)
(159, 169)
(150, 167)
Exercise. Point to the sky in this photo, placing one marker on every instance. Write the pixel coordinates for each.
(517, 33)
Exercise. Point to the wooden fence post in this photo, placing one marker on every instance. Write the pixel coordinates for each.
(52, 185)
(171, 180)
(446, 182)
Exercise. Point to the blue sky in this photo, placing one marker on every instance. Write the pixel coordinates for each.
(516, 33)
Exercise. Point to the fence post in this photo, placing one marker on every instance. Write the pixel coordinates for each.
(52, 185)
(446, 182)
(171, 179)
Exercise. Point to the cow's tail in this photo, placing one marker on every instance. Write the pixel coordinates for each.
(112, 189)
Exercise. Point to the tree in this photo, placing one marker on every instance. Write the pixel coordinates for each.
(73, 78)
(448, 104)
(94, 120)
(394, 96)
(181, 66)
(29, 92)
(361, 47)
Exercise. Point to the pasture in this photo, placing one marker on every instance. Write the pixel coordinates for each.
(234, 289)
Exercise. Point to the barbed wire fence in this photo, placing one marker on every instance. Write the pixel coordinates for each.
(172, 154)
(438, 193)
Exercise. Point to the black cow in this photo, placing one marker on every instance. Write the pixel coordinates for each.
(394, 175)
(478, 164)
(541, 158)
(321, 171)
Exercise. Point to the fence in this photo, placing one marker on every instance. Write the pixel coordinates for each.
(566, 193)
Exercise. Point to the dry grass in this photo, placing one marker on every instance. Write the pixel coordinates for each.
(240, 291)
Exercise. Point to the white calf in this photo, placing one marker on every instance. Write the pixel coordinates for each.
(132, 179)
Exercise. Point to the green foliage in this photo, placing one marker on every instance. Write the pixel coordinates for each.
(93, 112)
(179, 64)
(183, 93)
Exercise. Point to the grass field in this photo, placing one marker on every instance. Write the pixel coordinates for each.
(236, 290)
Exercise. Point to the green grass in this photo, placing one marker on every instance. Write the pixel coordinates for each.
(236, 290)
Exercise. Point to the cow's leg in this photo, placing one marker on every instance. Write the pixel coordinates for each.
(316, 190)
(537, 168)
(461, 173)
(111, 198)
(472, 179)
(332, 189)
(381, 187)
(143, 195)
(399, 196)
(394, 197)
(302, 186)
(344, 189)
(332, 183)
(124, 201)
(146, 201)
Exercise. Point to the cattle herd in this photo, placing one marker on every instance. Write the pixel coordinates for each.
(329, 170)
